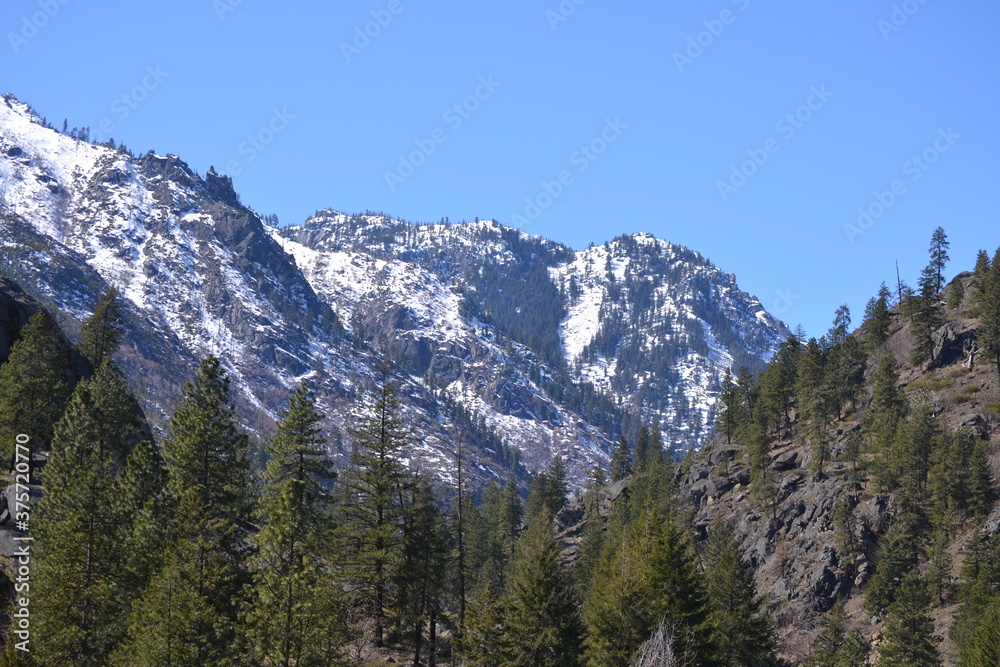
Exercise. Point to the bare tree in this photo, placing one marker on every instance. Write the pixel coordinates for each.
(659, 651)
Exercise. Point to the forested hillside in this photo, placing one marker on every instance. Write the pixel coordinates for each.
(845, 512)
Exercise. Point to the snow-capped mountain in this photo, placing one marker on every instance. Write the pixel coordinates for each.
(526, 347)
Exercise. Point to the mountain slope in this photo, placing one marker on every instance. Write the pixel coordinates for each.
(528, 347)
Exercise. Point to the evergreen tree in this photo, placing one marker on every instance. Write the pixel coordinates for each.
(939, 257)
(956, 295)
(621, 461)
(763, 485)
(186, 615)
(559, 482)
(742, 631)
(961, 483)
(983, 648)
(909, 632)
(854, 652)
(372, 509)
(988, 307)
(884, 418)
(830, 641)
(189, 613)
(649, 574)
(777, 386)
(82, 589)
(980, 576)
(980, 280)
(294, 610)
(33, 386)
(547, 494)
(732, 412)
(542, 624)
(422, 574)
(485, 639)
(643, 451)
(896, 559)
(101, 333)
(207, 452)
(877, 318)
(814, 403)
(493, 532)
(911, 451)
(845, 526)
(938, 574)
(143, 489)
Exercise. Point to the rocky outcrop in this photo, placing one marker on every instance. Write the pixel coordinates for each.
(16, 308)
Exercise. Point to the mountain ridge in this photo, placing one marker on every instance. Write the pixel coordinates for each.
(477, 315)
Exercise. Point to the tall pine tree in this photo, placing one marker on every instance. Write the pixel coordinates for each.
(296, 616)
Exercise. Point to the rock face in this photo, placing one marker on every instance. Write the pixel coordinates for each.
(16, 308)
(793, 545)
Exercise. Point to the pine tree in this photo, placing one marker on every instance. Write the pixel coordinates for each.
(542, 623)
(925, 316)
(643, 452)
(189, 613)
(877, 318)
(980, 586)
(980, 280)
(592, 537)
(939, 257)
(845, 526)
(814, 403)
(956, 295)
(830, 641)
(649, 573)
(295, 609)
(101, 333)
(897, 557)
(909, 632)
(884, 418)
(484, 640)
(372, 511)
(988, 307)
(911, 452)
(621, 461)
(143, 489)
(742, 631)
(732, 412)
(763, 485)
(33, 386)
(854, 652)
(207, 452)
(938, 573)
(82, 588)
(422, 572)
(983, 648)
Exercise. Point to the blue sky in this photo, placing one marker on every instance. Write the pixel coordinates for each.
(749, 131)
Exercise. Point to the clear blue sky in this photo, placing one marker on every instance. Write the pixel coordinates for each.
(673, 128)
